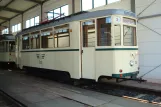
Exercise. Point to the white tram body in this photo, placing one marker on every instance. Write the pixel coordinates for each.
(7, 51)
(87, 45)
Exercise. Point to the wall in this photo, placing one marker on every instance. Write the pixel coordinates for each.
(5, 25)
(53, 4)
(149, 40)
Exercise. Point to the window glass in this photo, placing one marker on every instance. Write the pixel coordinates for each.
(50, 15)
(27, 23)
(5, 31)
(117, 35)
(2, 32)
(11, 46)
(86, 5)
(112, 1)
(6, 46)
(129, 21)
(37, 19)
(89, 34)
(32, 22)
(57, 13)
(98, 3)
(16, 28)
(62, 36)
(47, 39)
(104, 32)
(13, 29)
(35, 40)
(2, 47)
(25, 42)
(64, 11)
(129, 36)
(19, 26)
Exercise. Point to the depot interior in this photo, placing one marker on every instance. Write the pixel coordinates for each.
(16, 15)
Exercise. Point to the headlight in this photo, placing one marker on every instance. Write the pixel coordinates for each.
(131, 63)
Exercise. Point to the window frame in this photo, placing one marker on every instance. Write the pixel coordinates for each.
(61, 9)
(25, 35)
(101, 5)
(134, 38)
(39, 39)
(41, 36)
(56, 35)
(93, 6)
(15, 28)
(115, 35)
(98, 36)
(28, 23)
(82, 5)
(34, 23)
(54, 10)
(5, 31)
(60, 12)
(85, 44)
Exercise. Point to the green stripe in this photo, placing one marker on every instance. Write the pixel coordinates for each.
(100, 49)
(115, 49)
(60, 50)
(124, 75)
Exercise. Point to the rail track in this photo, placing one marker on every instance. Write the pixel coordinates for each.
(8, 101)
(139, 94)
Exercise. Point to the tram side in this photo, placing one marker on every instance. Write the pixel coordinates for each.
(7, 51)
(89, 48)
(52, 49)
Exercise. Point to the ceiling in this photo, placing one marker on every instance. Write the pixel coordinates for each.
(12, 8)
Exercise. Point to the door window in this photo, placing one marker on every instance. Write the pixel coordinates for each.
(89, 34)
(104, 37)
(117, 35)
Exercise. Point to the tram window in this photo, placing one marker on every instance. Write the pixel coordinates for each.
(25, 42)
(129, 36)
(117, 35)
(11, 46)
(89, 34)
(104, 37)
(6, 46)
(2, 47)
(35, 41)
(47, 39)
(62, 36)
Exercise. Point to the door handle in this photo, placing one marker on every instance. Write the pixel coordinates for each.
(82, 51)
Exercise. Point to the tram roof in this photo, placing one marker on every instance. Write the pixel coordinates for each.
(7, 37)
(78, 16)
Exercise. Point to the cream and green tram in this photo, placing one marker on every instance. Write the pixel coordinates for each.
(86, 45)
(7, 51)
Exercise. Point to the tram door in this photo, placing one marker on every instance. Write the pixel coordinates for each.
(88, 49)
(18, 52)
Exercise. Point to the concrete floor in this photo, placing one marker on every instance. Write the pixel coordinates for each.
(38, 92)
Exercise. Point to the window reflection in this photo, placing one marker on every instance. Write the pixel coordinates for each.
(32, 22)
(57, 13)
(112, 1)
(50, 15)
(64, 10)
(98, 3)
(86, 4)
